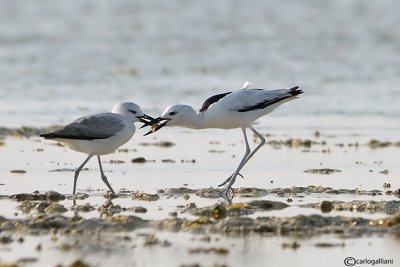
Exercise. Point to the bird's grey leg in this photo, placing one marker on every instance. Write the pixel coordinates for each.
(103, 177)
(242, 162)
(77, 171)
(262, 142)
(228, 179)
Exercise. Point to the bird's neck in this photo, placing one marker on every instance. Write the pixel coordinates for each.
(194, 120)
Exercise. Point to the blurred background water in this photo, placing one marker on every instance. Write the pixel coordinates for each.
(63, 59)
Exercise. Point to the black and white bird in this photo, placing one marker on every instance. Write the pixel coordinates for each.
(235, 109)
(100, 134)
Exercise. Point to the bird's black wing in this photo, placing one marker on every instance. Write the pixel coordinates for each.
(211, 100)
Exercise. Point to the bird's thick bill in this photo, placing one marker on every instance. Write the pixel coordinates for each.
(145, 119)
(156, 124)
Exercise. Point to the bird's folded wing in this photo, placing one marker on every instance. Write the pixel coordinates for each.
(99, 126)
(253, 99)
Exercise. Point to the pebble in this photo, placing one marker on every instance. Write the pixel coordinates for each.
(139, 160)
(18, 171)
(325, 206)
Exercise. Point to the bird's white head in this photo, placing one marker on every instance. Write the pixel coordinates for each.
(175, 115)
(179, 115)
(129, 110)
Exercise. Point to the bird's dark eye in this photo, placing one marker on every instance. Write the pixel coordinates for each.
(172, 113)
(132, 111)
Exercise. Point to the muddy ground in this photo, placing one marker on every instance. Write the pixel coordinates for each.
(340, 194)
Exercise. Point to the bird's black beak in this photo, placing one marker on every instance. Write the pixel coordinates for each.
(156, 125)
(151, 121)
(145, 119)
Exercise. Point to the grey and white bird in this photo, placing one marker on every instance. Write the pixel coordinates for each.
(235, 109)
(100, 134)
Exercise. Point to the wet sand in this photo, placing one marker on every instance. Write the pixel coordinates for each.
(324, 187)
(312, 193)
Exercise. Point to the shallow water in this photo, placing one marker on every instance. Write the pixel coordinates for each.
(62, 60)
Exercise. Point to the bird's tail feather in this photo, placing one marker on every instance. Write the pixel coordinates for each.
(294, 91)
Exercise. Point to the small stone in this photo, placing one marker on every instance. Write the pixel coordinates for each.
(139, 160)
(325, 206)
(6, 240)
(139, 210)
(329, 245)
(18, 171)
